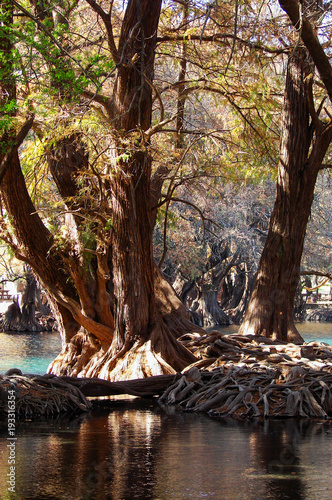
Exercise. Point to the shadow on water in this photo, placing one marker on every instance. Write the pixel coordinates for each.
(133, 449)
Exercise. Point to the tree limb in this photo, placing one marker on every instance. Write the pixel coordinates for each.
(15, 145)
(316, 273)
(102, 332)
(108, 25)
(220, 37)
(316, 121)
(311, 41)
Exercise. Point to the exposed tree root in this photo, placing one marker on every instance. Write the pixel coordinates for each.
(160, 355)
(32, 395)
(255, 377)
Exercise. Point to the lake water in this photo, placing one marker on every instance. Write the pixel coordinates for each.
(33, 352)
(134, 449)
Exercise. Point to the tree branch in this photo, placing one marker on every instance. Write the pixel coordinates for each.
(105, 101)
(310, 39)
(15, 145)
(316, 121)
(107, 19)
(220, 37)
(316, 273)
(103, 333)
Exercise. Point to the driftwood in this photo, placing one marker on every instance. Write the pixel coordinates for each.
(254, 377)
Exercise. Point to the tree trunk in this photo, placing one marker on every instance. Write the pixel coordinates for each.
(243, 286)
(12, 317)
(147, 314)
(28, 305)
(209, 309)
(270, 311)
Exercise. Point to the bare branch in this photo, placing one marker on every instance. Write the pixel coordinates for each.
(107, 19)
(220, 37)
(317, 273)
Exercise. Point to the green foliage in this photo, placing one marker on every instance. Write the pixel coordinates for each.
(232, 99)
(109, 225)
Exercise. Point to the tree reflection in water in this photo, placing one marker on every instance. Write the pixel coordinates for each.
(137, 450)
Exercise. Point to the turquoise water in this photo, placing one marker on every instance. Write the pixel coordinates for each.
(33, 352)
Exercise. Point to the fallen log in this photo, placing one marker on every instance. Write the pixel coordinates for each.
(145, 387)
(48, 395)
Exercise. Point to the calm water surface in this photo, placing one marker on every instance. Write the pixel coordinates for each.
(134, 449)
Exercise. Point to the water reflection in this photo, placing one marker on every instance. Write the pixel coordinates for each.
(138, 451)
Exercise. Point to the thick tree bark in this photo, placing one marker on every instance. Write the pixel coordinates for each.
(120, 318)
(244, 282)
(206, 305)
(28, 305)
(209, 310)
(147, 315)
(12, 317)
(270, 311)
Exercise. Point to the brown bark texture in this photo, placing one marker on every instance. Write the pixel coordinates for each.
(118, 316)
(270, 310)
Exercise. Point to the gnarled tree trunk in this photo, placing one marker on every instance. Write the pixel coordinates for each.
(270, 311)
(118, 316)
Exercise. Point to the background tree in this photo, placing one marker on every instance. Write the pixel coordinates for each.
(212, 265)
